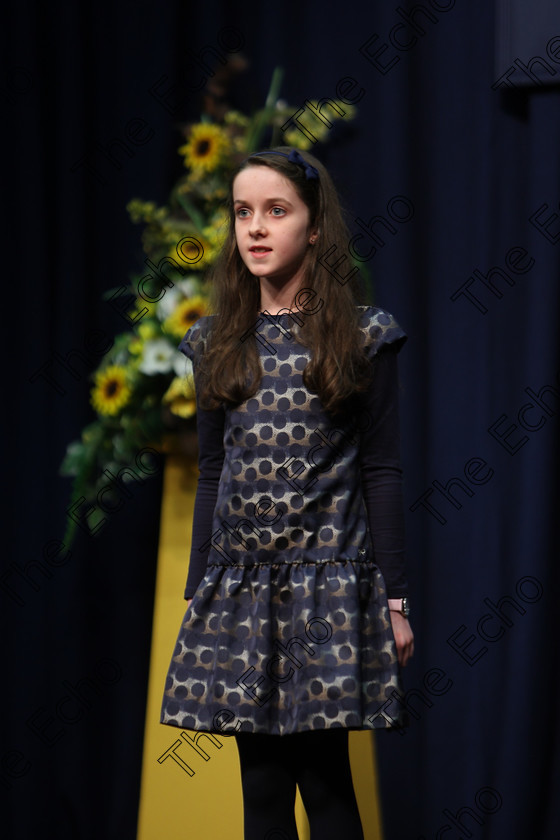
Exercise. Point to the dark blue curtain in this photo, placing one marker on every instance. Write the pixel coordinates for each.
(451, 174)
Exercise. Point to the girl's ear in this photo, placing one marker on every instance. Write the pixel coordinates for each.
(313, 236)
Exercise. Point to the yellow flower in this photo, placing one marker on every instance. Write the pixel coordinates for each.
(195, 252)
(206, 147)
(240, 145)
(297, 140)
(111, 390)
(147, 331)
(140, 211)
(216, 232)
(135, 347)
(185, 315)
(235, 118)
(142, 309)
(180, 396)
(350, 110)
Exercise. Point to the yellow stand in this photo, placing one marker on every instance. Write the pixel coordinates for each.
(191, 786)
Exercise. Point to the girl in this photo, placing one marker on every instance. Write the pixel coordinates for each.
(296, 622)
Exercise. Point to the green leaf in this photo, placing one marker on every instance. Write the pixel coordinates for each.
(74, 459)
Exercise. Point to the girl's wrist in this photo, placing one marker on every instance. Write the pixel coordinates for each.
(401, 605)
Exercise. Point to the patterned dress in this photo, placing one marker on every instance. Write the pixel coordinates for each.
(297, 524)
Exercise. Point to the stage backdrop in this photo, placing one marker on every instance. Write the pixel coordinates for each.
(451, 176)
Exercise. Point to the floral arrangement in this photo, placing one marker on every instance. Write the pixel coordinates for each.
(143, 390)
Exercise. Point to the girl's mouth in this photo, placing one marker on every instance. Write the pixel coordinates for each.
(259, 251)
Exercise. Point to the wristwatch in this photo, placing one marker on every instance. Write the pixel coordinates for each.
(405, 607)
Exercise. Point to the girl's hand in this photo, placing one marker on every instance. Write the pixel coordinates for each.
(404, 637)
(189, 602)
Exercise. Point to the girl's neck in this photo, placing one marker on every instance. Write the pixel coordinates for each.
(275, 300)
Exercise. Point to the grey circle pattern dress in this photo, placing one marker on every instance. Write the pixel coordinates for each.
(289, 629)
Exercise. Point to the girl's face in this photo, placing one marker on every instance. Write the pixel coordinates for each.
(272, 227)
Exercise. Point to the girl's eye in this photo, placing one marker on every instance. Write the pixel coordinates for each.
(278, 211)
(242, 212)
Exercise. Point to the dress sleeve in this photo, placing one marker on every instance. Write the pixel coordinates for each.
(381, 471)
(381, 331)
(210, 428)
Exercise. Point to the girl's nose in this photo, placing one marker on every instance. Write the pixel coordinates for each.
(257, 226)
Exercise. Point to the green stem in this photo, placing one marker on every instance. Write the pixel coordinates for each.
(262, 118)
(195, 216)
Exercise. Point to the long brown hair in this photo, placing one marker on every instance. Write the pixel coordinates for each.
(230, 371)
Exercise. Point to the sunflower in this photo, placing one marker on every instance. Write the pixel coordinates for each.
(206, 148)
(180, 396)
(185, 315)
(194, 252)
(111, 390)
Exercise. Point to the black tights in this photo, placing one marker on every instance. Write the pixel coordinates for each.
(318, 762)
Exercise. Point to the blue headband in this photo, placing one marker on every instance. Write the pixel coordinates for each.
(293, 157)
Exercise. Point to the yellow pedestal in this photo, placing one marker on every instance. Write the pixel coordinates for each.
(191, 784)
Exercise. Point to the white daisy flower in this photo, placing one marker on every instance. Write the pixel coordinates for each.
(158, 357)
